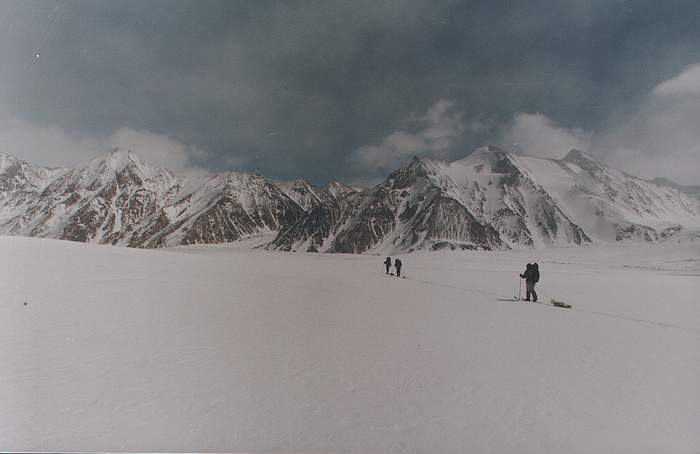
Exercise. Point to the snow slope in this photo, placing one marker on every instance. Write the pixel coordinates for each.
(219, 349)
(495, 186)
(611, 205)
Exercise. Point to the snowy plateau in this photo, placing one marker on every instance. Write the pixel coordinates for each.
(220, 348)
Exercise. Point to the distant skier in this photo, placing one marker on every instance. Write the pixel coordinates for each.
(387, 263)
(531, 276)
(398, 264)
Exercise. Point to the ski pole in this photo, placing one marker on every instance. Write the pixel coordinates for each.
(520, 286)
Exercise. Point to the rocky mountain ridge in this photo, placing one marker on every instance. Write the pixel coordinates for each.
(495, 200)
(489, 200)
(118, 199)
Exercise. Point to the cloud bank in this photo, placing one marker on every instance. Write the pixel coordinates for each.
(661, 138)
(537, 135)
(430, 135)
(303, 89)
(686, 83)
(51, 146)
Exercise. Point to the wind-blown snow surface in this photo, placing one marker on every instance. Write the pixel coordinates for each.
(220, 349)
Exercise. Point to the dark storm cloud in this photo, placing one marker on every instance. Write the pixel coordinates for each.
(294, 89)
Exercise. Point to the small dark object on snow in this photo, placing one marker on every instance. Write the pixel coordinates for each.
(26, 303)
(559, 303)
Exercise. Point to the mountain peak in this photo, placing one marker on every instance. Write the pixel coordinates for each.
(493, 149)
(408, 174)
(416, 162)
(584, 161)
(489, 152)
(337, 185)
(337, 189)
(121, 158)
(7, 160)
(117, 161)
(5, 156)
(421, 162)
(578, 155)
(300, 183)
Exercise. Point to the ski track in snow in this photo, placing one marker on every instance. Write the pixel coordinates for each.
(511, 300)
(226, 349)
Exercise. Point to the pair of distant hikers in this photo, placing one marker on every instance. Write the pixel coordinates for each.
(397, 264)
(531, 276)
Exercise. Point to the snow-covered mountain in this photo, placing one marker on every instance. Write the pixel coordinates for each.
(489, 200)
(499, 190)
(494, 200)
(414, 208)
(309, 196)
(119, 199)
(611, 205)
(302, 192)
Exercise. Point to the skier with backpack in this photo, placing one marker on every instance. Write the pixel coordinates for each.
(398, 264)
(387, 263)
(531, 276)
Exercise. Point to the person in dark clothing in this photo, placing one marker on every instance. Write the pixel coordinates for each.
(387, 263)
(398, 264)
(531, 276)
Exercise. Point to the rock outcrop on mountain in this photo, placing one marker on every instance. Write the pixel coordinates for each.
(309, 196)
(225, 208)
(489, 200)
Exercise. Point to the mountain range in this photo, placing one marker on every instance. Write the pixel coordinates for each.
(491, 199)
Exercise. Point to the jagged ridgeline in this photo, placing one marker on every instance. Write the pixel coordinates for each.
(489, 200)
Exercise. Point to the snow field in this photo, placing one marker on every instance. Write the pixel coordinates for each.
(223, 349)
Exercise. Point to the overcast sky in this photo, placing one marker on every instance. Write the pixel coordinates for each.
(351, 90)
